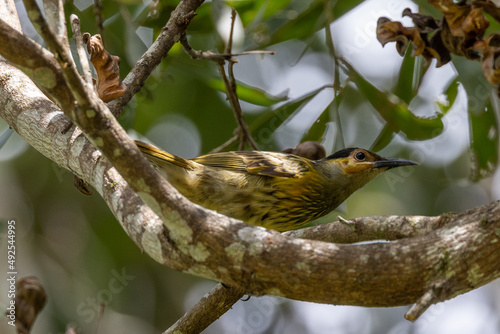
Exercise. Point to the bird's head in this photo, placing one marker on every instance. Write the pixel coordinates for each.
(354, 161)
(359, 166)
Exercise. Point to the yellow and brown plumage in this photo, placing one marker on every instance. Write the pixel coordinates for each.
(276, 190)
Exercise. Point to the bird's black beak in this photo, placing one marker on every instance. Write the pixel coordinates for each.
(393, 163)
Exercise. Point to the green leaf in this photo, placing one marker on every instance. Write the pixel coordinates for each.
(484, 142)
(266, 123)
(384, 138)
(303, 26)
(248, 93)
(343, 7)
(470, 75)
(252, 12)
(451, 94)
(310, 20)
(482, 118)
(405, 89)
(318, 128)
(395, 111)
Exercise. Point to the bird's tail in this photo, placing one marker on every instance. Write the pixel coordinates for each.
(162, 158)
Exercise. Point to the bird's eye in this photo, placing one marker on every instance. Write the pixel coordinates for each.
(360, 156)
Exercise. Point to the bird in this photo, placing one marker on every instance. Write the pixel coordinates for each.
(276, 190)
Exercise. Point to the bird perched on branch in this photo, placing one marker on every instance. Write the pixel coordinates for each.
(280, 191)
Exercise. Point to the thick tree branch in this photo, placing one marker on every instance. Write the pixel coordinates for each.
(37, 62)
(460, 256)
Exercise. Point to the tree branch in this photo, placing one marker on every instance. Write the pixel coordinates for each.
(372, 228)
(430, 297)
(262, 261)
(170, 34)
(37, 62)
(104, 131)
(210, 308)
(243, 131)
(80, 49)
(54, 12)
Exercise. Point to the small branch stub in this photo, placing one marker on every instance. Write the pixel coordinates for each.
(430, 297)
(30, 300)
(80, 47)
(346, 222)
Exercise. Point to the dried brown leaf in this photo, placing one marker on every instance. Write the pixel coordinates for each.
(424, 23)
(437, 49)
(463, 25)
(489, 7)
(491, 57)
(475, 24)
(394, 31)
(109, 86)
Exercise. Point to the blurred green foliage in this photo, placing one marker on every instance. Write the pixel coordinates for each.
(76, 246)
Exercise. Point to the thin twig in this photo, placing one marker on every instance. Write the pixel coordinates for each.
(245, 134)
(54, 11)
(229, 46)
(98, 15)
(339, 142)
(205, 55)
(210, 308)
(242, 132)
(87, 76)
(231, 83)
(329, 43)
(218, 57)
(80, 48)
(222, 147)
(252, 52)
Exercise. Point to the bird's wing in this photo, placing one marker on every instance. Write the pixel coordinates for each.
(257, 162)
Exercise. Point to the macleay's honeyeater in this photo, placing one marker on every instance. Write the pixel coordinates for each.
(280, 191)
